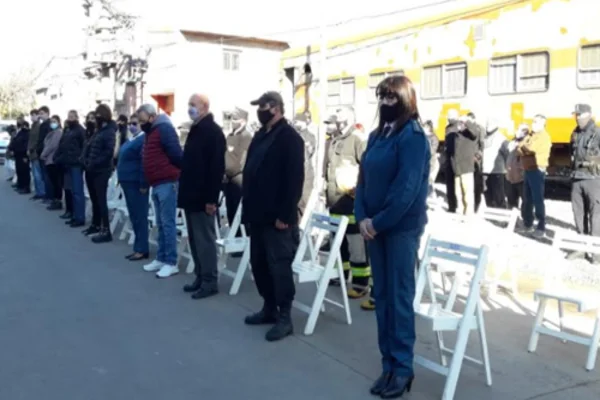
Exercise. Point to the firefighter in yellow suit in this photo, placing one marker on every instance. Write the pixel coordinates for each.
(345, 147)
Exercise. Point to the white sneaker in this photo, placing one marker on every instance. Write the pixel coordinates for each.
(153, 266)
(167, 271)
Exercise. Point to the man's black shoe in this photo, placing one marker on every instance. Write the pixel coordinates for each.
(283, 327)
(204, 292)
(193, 287)
(66, 215)
(91, 230)
(103, 237)
(76, 224)
(266, 316)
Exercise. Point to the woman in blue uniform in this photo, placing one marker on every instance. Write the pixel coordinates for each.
(391, 209)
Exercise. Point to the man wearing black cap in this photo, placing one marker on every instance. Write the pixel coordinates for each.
(585, 192)
(238, 142)
(272, 186)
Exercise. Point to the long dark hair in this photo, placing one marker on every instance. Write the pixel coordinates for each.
(404, 91)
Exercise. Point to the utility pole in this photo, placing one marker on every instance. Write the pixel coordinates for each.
(322, 131)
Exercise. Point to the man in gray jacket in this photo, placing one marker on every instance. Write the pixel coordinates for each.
(495, 154)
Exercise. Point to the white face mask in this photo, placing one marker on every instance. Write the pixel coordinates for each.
(331, 128)
(583, 120)
(537, 127)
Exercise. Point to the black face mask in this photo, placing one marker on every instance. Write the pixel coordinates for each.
(99, 121)
(71, 124)
(389, 113)
(264, 116)
(146, 126)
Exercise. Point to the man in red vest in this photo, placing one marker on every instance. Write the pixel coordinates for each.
(161, 161)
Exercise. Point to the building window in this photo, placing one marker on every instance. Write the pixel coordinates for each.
(519, 74)
(588, 72)
(376, 79)
(443, 81)
(340, 92)
(231, 60)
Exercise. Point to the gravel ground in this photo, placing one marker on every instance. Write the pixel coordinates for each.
(533, 257)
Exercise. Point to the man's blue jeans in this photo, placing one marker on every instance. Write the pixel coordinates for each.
(533, 198)
(48, 190)
(38, 178)
(77, 193)
(164, 197)
(137, 205)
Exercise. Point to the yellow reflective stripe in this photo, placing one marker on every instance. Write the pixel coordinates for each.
(346, 265)
(351, 218)
(361, 272)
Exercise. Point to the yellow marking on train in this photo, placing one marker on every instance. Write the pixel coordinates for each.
(470, 41)
(415, 56)
(361, 82)
(563, 30)
(477, 68)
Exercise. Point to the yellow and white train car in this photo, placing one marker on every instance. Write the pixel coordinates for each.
(506, 59)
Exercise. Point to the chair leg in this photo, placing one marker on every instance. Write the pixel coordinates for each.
(595, 341)
(457, 359)
(344, 289)
(485, 355)
(114, 221)
(241, 271)
(561, 317)
(440, 343)
(315, 309)
(539, 320)
(131, 238)
(125, 229)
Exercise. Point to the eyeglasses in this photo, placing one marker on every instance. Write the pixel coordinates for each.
(133, 123)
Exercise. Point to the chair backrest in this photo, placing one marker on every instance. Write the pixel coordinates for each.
(320, 226)
(437, 252)
(509, 217)
(572, 241)
(311, 206)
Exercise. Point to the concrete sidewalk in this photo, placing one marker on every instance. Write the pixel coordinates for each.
(77, 321)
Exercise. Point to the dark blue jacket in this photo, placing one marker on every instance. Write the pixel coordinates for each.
(129, 167)
(393, 183)
(99, 151)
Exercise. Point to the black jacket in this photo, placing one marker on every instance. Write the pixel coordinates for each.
(18, 144)
(461, 147)
(203, 166)
(70, 147)
(273, 176)
(44, 130)
(100, 148)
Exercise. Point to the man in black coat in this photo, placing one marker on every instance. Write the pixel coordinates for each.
(203, 168)
(272, 187)
(18, 147)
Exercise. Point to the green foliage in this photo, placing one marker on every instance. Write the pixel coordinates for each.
(16, 94)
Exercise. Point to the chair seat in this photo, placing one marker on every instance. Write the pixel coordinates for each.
(233, 245)
(440, 319)
(308, 271)
(585, 301)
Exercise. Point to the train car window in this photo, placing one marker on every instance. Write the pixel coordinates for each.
(340, 92)
(521, 73)
(588, 70)
(444, 81)
(376, 78)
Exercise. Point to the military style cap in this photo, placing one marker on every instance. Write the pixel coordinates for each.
(582, 108)
(273, 98)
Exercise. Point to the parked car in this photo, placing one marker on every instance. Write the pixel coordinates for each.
(4, 138)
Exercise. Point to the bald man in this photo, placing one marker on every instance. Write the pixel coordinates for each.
(203, 169)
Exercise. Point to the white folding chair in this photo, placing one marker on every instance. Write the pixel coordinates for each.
(152, 224)
(441, 319)
(554, 289)
(183, 248)
(308, 265)
(231, 244)
(117, 205)
(502, 262)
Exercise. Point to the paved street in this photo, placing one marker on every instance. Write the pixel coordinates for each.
(78, 322)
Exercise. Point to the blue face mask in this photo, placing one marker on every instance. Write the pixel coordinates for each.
(193, 113)
(53, 126)
(133, 129)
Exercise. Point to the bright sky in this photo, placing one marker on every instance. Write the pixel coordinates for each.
(65, 20)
